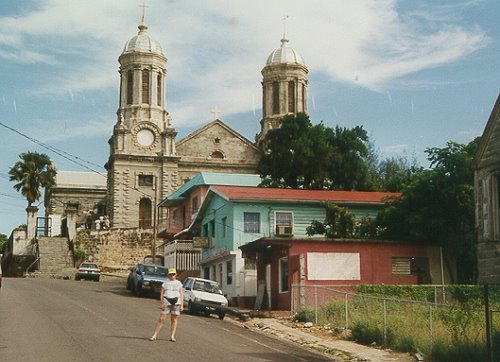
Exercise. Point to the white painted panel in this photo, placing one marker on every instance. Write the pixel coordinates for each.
(333, 266)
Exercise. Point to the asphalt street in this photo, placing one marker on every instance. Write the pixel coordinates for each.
(67, 320)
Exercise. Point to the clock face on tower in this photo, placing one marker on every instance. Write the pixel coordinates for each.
(145, 137)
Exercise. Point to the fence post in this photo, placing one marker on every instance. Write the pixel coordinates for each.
(315, 305)
(346, 316)
(430, 328)
(385, 322)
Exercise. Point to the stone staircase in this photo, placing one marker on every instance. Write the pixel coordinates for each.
(56, 260)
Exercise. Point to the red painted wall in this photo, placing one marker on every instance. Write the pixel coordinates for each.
(375, 265)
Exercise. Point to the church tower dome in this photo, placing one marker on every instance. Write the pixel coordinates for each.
(284, 87)
(285, 54)
(142, 42)
(142, 147)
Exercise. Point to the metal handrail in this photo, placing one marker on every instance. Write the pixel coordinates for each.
(28, 268)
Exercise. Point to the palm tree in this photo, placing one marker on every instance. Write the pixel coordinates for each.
(33, 172)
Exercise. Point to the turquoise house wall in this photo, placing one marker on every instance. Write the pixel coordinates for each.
(303, 215)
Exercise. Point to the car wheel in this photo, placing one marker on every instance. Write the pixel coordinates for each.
(222, 315)
(129, 284)
(96, 279)
(77, 278)
(192, 309)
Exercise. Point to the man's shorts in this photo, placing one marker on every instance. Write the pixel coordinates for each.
(174, 309)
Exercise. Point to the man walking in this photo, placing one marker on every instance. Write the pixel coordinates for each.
(171, 302)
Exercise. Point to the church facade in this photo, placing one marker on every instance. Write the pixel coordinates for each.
(146, 163)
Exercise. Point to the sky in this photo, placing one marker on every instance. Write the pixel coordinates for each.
(414, 74)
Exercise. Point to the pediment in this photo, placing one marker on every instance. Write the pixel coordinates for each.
(217, 141)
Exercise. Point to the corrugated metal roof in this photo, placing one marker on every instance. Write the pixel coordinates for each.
(261, 193)
(80, 179)
(212, 178)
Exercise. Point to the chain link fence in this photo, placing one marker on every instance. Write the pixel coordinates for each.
(434, 320)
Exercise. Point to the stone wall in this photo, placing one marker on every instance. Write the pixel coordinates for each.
(488, 255)
(115, 249)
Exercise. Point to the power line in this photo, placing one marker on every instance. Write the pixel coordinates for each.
(57, 151)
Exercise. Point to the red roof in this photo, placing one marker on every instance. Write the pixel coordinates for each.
(263, 193)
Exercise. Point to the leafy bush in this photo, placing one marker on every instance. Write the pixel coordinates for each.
(367, 333)
(78, 254)
(304, 315)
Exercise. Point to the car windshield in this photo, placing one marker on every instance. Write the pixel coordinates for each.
(155, 270)
(205, 286)
(90, 266)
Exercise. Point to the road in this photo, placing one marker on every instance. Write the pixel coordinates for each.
(67, 320)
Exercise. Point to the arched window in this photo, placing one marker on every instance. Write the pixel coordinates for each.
(145, 86)
(145, 213)
(159, 84)
(217, 154)
(291, 96)
(276, 98)
(130, 86)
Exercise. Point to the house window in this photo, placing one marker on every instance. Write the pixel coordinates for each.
(224, 227)
(175, 217)
(212, 228)
(204, 231)
(229, 271)
(291, 96)
(251, 222)
(195, 201)
(276, 98)
(284, 223)
(401, 266)
(145, 86)
(130, 86)
(145, 213)
(158, 89)
(145, 180)
(283, 272)
(418, 266)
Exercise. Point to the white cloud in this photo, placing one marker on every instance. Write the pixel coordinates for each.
(216, 52)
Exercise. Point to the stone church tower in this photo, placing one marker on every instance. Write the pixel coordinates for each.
(146, 163)
(284, 87)
(142, 162)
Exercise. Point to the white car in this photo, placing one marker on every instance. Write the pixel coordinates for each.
(205, 296)
(88, 271)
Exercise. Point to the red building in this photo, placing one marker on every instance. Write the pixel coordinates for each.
(282, 263)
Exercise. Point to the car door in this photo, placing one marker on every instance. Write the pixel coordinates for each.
(188, 286)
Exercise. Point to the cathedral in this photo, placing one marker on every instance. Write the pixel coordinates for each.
(146, 163)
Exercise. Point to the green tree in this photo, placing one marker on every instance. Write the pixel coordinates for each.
(33, 172)
(437, 207)
(348, 169)
(339, 223)
(390, 174)
(3, 242)
(299, 154)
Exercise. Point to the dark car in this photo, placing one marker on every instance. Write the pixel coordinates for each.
(88, 271)
(146, 278)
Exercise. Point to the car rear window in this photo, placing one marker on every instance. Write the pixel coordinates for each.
(155, 270)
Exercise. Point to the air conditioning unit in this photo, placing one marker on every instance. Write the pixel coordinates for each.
(283, 230)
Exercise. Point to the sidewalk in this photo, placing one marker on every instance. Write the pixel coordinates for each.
(339, 349)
